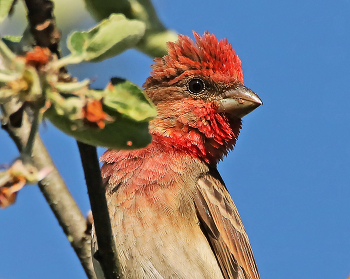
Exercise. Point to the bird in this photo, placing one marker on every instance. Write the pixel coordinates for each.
(171, 213)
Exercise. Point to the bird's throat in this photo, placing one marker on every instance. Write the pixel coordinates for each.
(195, 128)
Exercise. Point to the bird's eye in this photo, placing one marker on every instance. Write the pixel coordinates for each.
(196, 85)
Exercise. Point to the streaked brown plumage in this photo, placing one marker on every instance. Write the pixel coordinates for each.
(171, 213)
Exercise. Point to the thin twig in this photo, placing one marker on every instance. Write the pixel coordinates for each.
(28, 148)
(54, 190)
(45, 33)
(43, 28)
(107, 254)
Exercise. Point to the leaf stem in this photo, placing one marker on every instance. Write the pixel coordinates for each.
(54, 189)
(28, 149)
(64, 61)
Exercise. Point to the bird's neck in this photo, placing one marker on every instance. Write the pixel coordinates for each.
(194, 127)
(185, 133)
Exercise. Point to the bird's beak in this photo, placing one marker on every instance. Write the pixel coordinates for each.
(239, 101)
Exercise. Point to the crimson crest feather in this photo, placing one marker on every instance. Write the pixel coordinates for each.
(171, 214)
(207, 56)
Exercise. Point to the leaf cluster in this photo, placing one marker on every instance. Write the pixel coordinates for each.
(35, 78)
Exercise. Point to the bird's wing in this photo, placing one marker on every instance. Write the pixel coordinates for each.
(223, 228)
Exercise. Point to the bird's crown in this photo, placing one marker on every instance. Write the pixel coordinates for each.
(206, 56)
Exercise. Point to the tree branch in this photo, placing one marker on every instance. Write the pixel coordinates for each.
(107, 254)
(54, 190)
(68, 214)
(42, 24)
(45, 33)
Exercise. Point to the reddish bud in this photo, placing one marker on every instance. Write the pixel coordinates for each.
(94, 115)
(8, 193)
(38, 57)
(13, 180)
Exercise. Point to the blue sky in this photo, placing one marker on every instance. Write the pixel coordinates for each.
(289, 174)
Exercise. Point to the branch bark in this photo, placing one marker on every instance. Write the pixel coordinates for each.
(45, 33)
(54, 190)
(106, 254)
(42, 24)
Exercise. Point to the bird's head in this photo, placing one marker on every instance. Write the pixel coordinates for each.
(200, 96)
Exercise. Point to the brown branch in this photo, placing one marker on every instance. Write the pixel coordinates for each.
(45, 33)
(106, 254)
(42, 24)
(54, 190)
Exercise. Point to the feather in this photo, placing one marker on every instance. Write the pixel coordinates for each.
(223, 228)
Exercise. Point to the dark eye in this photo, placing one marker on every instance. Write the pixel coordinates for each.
(196, 85)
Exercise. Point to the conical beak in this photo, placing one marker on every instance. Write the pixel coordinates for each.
(239, 101)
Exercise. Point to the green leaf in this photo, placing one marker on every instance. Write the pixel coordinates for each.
(13, 43)
(7, 55)
(5, 6)
(69, 108)
(153, 43)
(125, 105)
(68, 87)
(116, 135)
(9, 59)
(128, 99)
(109, 38)
(12, 39)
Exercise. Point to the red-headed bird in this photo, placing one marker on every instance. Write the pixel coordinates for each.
(171, 214)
